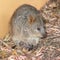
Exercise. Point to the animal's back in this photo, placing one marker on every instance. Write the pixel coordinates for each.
(25, 10)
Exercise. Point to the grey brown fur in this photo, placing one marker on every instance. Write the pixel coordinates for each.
(27, 27)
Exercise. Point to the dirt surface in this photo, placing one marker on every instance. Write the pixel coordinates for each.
(49, 48)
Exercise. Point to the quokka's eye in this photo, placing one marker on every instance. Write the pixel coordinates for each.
(38, 28)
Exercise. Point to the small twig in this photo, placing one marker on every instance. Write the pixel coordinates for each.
(5, 43)
(53, 37)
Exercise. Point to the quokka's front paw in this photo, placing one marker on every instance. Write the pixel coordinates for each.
(27, 46)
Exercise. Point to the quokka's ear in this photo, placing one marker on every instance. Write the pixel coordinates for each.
(31, 19)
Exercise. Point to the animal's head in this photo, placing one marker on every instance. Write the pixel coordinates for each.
(37, 26)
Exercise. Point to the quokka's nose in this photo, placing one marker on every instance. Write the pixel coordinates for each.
(44, 35)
